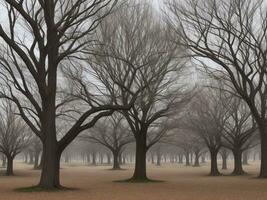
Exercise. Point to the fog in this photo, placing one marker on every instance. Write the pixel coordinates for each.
(112, 99)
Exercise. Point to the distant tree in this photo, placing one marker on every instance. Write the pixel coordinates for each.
(224, 154)
(207, 117)
(55, 34)
(231, 36)
(14, 135)
(113, 133)
(136, 47)
(239, 133)
(35, 146)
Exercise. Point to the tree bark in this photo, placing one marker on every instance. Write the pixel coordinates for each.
(116, 163)
(9, 169)
(51, 166)
(214, 165)
(238, 169)
(140, 158)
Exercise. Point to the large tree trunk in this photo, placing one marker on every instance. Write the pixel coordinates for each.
(238, 169)
(214, 165)
(116, 163)
(140, 158)
(9, 169)
(51, 165)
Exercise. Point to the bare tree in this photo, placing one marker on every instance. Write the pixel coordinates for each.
(224, 154)
(207, 117)
(137, 45)
(14, 135)
(55, 34)
(232, 35)
(35, 146)
(113, 133)
(183, 140)
(239, 133)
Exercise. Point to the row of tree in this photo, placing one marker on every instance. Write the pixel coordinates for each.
(79, 62)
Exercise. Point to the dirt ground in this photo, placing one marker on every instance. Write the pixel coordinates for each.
(179, 183)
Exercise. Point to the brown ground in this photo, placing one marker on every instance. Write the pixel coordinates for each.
(96, 183)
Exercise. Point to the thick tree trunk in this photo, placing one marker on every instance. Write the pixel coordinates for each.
(9, 169)
(36, 159)
(116, 163)
(140, 158)
(238, 169)
(51, 165)
(214, 165)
